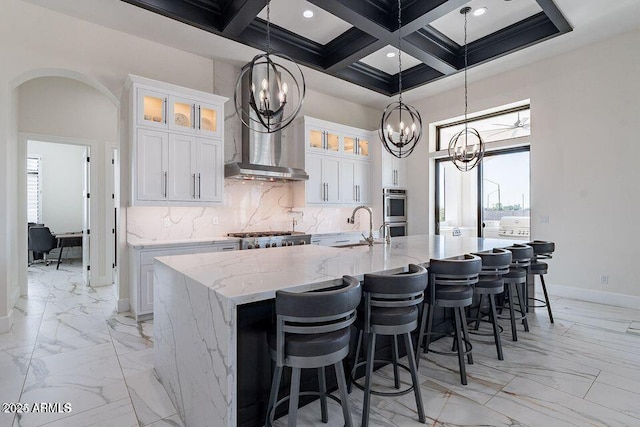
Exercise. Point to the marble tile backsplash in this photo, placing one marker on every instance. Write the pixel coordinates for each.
(248, 206)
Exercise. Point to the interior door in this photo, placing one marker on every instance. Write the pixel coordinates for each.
(86, 217)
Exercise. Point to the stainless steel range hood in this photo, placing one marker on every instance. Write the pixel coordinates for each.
(264, 157)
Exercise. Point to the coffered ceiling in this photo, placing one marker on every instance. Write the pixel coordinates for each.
(350, 39)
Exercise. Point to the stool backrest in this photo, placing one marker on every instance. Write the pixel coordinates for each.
(460, 270)
(495, 262)
(393, 290)
(542, 249)
(520, 255)
(315, 312)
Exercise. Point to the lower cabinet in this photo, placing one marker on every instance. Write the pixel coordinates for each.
(141, 271)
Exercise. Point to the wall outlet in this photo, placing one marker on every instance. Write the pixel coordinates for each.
(214, 220)
(544, 219)
(166, 222)
(604, 279)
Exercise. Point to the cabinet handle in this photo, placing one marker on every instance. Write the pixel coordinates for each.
(199, 118)
(193, 108)
(325, 144)
(194, 185)
(355, 193)
(165, 184)
(165, 114)
(326, 193)
(358, 192)
(199, 186)
(357, 145)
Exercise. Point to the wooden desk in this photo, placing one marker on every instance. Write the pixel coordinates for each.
(67, 240)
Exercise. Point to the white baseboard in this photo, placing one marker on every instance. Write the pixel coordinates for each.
(6, 322)
(124, 305)
(590, 295)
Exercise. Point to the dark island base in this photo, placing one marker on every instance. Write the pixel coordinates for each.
(255, 366)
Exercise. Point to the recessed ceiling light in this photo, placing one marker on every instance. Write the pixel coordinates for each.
(308, 13)
(480, 11)
(391, 54)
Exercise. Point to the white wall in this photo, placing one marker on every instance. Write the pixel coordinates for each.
(61, 180)
(584, 151)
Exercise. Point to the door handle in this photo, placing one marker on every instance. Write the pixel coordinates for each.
(165, 113)
(165, 184)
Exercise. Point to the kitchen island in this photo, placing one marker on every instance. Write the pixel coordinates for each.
(208, 306)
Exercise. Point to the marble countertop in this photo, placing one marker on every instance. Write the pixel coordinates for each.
(247, 276)
(137, 243)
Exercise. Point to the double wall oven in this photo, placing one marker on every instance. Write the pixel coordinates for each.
(394, 205)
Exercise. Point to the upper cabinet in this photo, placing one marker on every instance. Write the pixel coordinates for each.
(336, 157)
(394, 171)
(176, 139)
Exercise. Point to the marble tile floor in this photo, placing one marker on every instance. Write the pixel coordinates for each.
(68, 345)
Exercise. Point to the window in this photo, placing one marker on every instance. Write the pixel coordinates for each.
(503, 125)
(34, 200)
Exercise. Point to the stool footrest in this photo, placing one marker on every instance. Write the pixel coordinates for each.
(302, 393)
(377, 392)
(543, 303)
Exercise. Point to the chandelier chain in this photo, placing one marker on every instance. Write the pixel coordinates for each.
(399, 49)
(268, 29)
(465, 71)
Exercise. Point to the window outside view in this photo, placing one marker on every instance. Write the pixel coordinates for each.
(504, 207)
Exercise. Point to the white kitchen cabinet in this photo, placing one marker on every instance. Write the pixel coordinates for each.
(152, 164)
(323, 186)
(176, 137)
(141, 270)
(336, 157)
(182, 167)
(355, 176)
(210, 182)
(394, 171)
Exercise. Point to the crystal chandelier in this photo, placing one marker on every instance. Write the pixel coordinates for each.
(400, 141)
(272, 102)
(466, 148)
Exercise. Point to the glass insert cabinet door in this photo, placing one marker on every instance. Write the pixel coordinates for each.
(152, 108)
(208, 119)
(355, 145)
(323, 139)
(181, 114)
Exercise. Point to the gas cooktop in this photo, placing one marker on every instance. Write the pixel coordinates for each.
(270, 239)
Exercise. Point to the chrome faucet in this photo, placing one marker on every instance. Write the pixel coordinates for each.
(352, 220)
(387, 232)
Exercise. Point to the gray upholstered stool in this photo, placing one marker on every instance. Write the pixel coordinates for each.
(495, 264)
(313, 331)
(451, 286)
(390, 307)
(515, 282)
(541, 250)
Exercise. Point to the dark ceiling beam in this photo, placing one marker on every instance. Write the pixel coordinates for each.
(367, 77)
(422, 13)
(555, 15)
(239, 14)
(414, 77)
(425, 49)
(510, 39)
(358, 13)
(300, 49)
(350, 47)
(184, 12)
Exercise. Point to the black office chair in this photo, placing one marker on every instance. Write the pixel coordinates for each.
(41, 241)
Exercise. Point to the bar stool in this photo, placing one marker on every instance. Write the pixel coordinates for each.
(514, 280)
(495, 264)
(390, 307)
(451, 286)
(312, 331)
(541, 250)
